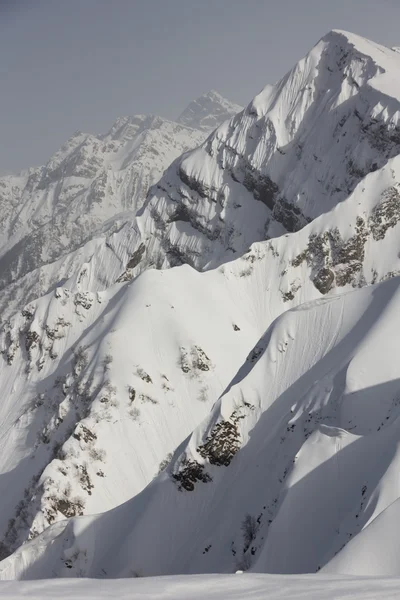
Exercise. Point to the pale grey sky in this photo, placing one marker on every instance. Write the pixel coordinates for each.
(78, 64)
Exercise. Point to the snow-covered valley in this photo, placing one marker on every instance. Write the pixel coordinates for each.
(199, 340)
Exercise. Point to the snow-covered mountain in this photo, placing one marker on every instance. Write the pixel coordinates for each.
(52, 222)
(208, 112)
(54, 209)
(298, 150)
(259, 375)
(49, 212)
(93, 421)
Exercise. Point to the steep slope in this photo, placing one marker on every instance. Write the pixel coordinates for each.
(354, 244)
(336, 252)
(297, 150)
(375, 549)
(297, 423)
(86, 424)
(303, 442)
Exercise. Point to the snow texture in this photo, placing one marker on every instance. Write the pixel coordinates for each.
(216, 587)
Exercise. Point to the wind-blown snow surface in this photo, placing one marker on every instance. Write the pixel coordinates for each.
(292, 415)
(216, 587)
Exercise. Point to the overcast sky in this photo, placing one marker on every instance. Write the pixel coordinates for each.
(68, 65)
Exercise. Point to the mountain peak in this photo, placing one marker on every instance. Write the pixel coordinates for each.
(208, 111)
(381, 73)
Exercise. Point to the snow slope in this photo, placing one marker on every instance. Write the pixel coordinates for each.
(310, 430)
(206, 587)
(93, 422)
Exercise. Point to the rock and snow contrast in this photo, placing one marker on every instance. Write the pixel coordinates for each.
(200, 373)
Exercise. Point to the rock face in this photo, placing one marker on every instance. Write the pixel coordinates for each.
(255, 371)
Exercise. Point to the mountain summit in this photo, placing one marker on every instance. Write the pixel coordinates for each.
(52, 211)
(208, 112)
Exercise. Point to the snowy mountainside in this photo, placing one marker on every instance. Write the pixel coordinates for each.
(266, 281)
(108, 384)
(337, 252)
(310, 430)
(39, 342)
(336, 245)
(350, 246)
(268, 171)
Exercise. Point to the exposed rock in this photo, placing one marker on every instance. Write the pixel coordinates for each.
(323, 280)
(223, 442)
(136, 257)
(189, 473)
